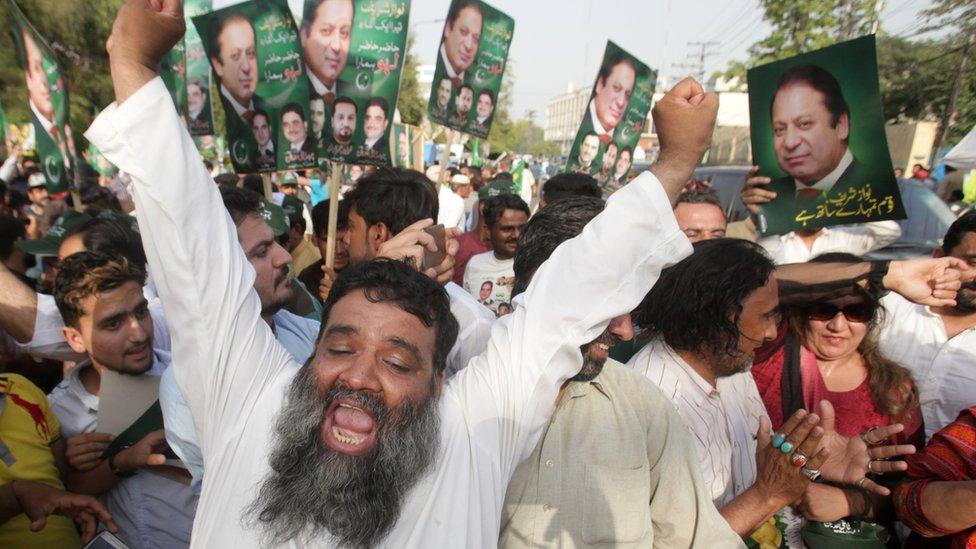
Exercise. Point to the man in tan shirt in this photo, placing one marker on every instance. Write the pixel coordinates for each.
(615, 464)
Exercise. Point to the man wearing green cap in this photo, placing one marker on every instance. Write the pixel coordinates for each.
(303, 252)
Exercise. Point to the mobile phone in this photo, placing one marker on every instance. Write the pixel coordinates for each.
(433, 259)
(105, 540)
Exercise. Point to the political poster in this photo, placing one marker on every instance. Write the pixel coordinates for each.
(354, 51)
(199, 100)
(172, 70)
(404, 147)
(614, 118)
(256, 57)
(818, 133)
(470, 66)
(47, 95)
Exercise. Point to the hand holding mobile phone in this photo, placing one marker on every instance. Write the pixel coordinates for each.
(433, 259)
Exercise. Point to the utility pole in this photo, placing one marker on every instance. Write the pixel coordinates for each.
(697, 68)
(950, 108)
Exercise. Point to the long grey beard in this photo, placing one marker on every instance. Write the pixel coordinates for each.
(312, 489)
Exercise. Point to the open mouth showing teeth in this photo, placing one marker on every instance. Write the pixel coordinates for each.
(603, 346)
(346, 437)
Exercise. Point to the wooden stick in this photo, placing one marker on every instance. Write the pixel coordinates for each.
(335, 180)
(445, 158)
(266, 179)
(418, 148)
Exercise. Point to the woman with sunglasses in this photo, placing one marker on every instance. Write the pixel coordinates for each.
(828, 350)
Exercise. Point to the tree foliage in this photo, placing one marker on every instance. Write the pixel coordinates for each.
(412, 107)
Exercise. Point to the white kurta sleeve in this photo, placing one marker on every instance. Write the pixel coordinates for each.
(223, 352)
(508, 393)
(861, 239)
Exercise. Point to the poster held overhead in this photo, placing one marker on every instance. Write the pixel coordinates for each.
(254, 50)
(199, 100)
(47, 94)
(818, 133)
(470, 66)
(614, 119)
(354, 51)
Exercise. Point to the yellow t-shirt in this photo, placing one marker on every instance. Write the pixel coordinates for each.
(28, 428)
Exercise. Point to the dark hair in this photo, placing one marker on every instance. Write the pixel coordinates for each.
(628, 149)
(697, 302)
(892, 387)
(87, 273)
(196, 82)
(463, 86)
(495, 207)
(11, 230)
(217, 25)
(308, 13)
(698, 196)
(97, 198)
(610, 144)
(570, 184)
(457, 7)
(262, 112)
(228, 179)
(395, 197)
(385, 280)
(957, 231)
(240, 203)
(553, 225)
(113, 238)
(343, 99)
(381, 103)
(489, 93)
(615, 58)
(590, 133)
(320, 218)
(292, 107)
(253, 182)
(820, 80)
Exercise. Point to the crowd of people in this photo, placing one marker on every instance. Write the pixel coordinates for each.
(577, 370)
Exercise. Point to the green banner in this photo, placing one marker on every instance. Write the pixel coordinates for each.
(199, 106)
(817, 127)
(48, 99)
(256, 56)
(470, 65)
(3, 126)
(614, 118)
(354, 52)
(173, 72)
(99, 163)
(403, 153)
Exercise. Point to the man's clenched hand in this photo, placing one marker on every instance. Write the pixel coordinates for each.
(685, 119)
(144, 30)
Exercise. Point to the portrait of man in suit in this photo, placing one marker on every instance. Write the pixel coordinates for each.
(316, 108)
(611, 94)
(811, 125)
(444, 89)
(375, 122)
(462, 34)
(40, 100)
(485, 106)
(261, 128)
(295, 128)
(462, 103)
(196, 101)
(236, 65)
(325, 35)
(343, 121)
(588, 149)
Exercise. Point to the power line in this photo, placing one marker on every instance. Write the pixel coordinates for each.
(704, 52)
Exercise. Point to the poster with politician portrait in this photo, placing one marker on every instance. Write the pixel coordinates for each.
(172, 70)
(818, 133)
(614, 118)
(47, 96)
(256, 58)
(199, 99)
(403, 148)
(354, 51)
(470, 66)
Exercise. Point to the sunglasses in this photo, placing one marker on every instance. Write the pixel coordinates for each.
(855, 312)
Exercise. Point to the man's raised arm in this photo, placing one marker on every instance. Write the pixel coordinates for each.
(604, 272)
(203, 279)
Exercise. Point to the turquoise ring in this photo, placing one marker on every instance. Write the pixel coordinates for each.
(778, 440)
(786, 447)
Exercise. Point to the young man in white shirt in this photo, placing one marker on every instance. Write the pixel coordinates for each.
(489, 277)
(378, 347)
(107, 316)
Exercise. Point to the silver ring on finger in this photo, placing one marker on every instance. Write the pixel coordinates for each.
(860, 483)
(870, 470)
(798, 459)
(812, 474)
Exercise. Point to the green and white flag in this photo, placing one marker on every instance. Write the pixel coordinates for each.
(470, 67)
(47, 94)
(354, 52)
(256, 56)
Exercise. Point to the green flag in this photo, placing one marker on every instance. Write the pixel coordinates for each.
(3, 124)
(48, 99)
(173, 72)
(476, 153)
(199, 103)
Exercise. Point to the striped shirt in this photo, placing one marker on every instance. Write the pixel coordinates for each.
(950, 456)
(722, 419)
